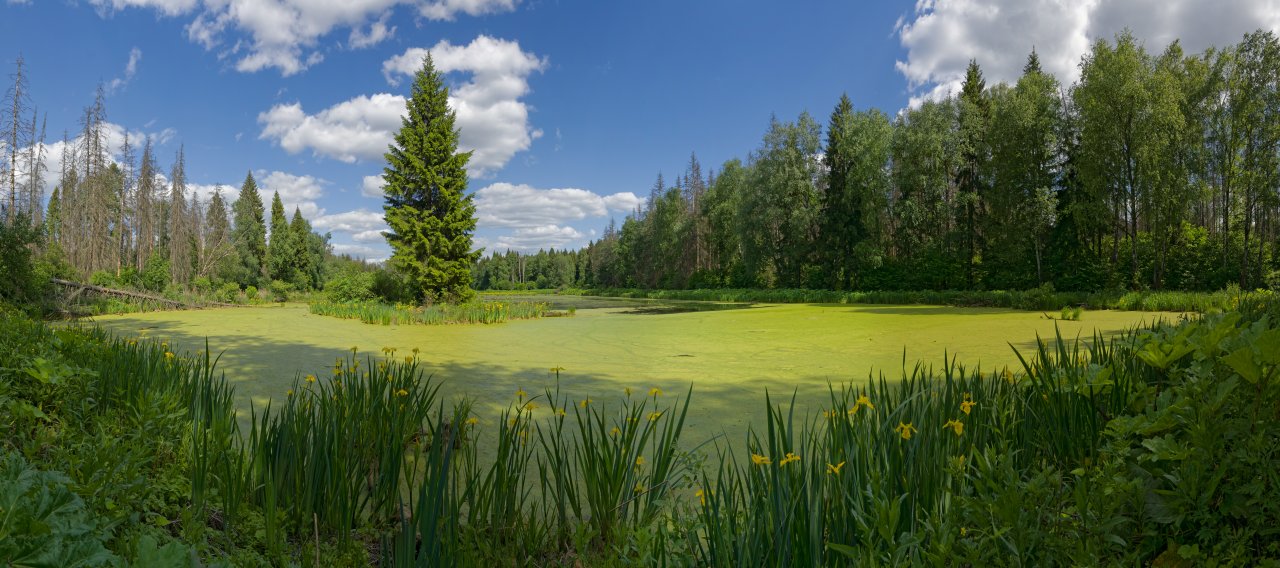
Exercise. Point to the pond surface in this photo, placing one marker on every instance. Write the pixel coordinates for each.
(729, 356)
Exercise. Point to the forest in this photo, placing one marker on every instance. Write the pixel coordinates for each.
(1154, 171)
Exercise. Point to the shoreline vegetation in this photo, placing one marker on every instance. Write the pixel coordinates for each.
(482, 312)
(1148, 447)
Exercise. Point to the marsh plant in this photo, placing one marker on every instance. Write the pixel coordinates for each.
(436, 314)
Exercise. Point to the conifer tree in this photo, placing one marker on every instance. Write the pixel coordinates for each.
(249, 234)
(280, 249)
(427, 208)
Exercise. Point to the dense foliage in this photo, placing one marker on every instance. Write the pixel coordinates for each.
(1155, 170)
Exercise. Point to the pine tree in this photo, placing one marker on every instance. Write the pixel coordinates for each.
(430, 214)
(280, 249)
(250, 233)
(304, 265)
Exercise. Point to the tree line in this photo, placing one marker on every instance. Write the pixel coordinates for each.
(122, 219)
(1154, 170)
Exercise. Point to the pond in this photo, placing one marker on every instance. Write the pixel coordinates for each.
(729, 356)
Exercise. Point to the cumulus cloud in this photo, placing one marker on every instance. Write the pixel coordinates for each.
(372, 254)
(285, 34)
(941, 36)
(130, 69)
(492, 121)
(352, 222)
(371, 186)
(532, 218)
(301, 192)
(360, 128)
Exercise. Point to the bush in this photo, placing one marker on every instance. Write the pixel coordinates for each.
(103, 278)
(251, 292)
(228, 292)
(280, 290)
(155, 276)
(19, 281)
(352, 285)
(201, 285)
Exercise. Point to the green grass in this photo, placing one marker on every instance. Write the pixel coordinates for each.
(439, 314)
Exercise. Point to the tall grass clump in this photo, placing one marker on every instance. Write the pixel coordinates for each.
(399, 314)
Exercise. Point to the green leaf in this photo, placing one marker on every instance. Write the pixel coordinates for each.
(1268, 345)
(1241, 360)
(843, 549)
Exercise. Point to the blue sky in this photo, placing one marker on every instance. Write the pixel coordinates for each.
(572, 108)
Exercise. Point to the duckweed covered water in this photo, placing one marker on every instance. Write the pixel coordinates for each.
(730, 356)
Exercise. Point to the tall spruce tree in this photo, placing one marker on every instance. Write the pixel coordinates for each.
(427, 208)
(280, 249)
(250, 233)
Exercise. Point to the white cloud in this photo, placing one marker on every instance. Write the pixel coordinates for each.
(360, 251)
(371, 186)
(507, 205)
(353, 222)
(285, 34)
(531, 218)
(374, 236)
(943, 35)
(492, 121)
(299, 192)
(130, 69)
(360, 128)
(378, 32)
(530, 239)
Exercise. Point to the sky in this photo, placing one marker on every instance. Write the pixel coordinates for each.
(571, 108)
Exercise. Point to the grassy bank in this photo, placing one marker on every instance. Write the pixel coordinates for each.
(1034, 299)
(1160, 444)
(438, 314)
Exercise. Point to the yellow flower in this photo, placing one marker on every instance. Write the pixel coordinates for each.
(312, 378)
(790, 457)
(653, 416)
(584, 402)
(829, 414)
(760, 460)
(655, 392)
(512, 422)
(520, 394)
(955, 425)
(627, 390)
(1008, 375)
(168, 355)
(402, 392)
(290, 392)
(336, 371)
(967, 406)
(639, 460)
(473, 421)
(905, 429)
(557, 369)
(701, 497)
(615, 432)
(862, 401)
(415, 350)
(560, 412)
(963, 531)
(530, 406)
(382, 365)
(835, 469)
(639, 487)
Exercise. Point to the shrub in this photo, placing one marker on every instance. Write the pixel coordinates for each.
(155, 275)
(251, 292)
(201, 285)
(228, 292)
(103, 278)
(280, 290)
(19, 281)
(351, 285)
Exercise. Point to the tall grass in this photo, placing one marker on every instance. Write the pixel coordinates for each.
(399, 314)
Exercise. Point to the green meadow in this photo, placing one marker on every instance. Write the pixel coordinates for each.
(729, 353)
